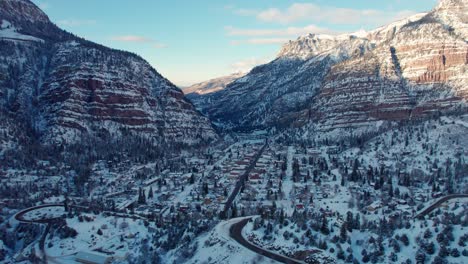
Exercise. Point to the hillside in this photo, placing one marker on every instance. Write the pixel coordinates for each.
(58, 89)
(411, 69)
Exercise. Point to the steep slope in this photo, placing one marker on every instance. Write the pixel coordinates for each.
(411, 69)
(211, 86)
(453, 13)
(66, 88)
(284, 85)
(418, 72)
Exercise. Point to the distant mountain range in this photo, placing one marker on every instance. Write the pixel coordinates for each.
(412, 69)
(58, 89)
(212, 85)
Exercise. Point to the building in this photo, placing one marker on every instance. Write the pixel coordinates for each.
(254, 178)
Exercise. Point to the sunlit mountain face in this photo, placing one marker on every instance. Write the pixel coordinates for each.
(344, 148)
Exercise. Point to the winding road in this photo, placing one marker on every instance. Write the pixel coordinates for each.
(48, 222)
(438, 203)
(236, 233)
(20, 215)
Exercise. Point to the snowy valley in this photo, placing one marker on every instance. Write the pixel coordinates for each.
(347, 148)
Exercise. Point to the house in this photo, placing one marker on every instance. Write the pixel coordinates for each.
(402, 202)
(184, 208)
(254, 178)
(314, 154)
(242, 163)
(333, 150)
(300, 207)
(207, 201)
(92, 258)
(374, 206)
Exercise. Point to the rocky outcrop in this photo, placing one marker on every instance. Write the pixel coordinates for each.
(263, 97)
(454, 15)
(411, 69)
(66, 88)
(417, 73)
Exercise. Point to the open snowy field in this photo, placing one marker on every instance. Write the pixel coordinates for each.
(218, 247)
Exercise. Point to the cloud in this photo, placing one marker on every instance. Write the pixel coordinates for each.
(293, 13)
(132, 38)
(241, 11)
(245, 12)
(333, 15)
(289, 31)
(273, 36)
(298, 12)
(246, 65)
(76, 22)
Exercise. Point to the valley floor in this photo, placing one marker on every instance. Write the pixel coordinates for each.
(323, 203)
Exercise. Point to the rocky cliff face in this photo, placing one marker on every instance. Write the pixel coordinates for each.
(411, 69)
(285, 85)
(65, 88)
(417, 72)
(453, 13)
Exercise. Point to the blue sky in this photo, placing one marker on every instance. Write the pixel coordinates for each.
(189, 41)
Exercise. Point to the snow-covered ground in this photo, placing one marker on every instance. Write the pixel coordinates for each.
(217, 247)
(118, 236)
(418, 148)
(44, 213)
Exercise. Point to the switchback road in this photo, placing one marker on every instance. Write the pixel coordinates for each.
(20, 216)
(46, 221)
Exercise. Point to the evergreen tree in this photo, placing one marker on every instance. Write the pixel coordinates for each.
(343, 232)
(192, 179)
(150, 193)
(141, 196)
(324, 227)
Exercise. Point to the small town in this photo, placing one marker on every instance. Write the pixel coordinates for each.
(233, 132)
(249, 178)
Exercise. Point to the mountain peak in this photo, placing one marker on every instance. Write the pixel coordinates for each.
(453, 14)
(315, 44)
(212, 85)
(18, 11)
(452, 4)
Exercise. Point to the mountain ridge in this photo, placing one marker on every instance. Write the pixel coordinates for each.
(306, 85)
(65, 88)
(212, 85)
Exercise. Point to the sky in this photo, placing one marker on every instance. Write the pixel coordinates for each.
(189, 41)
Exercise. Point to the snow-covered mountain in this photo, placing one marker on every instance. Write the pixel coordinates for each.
(416, 72)
(410, 69)
(212, 85)
(64, 88)
(284, 85)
